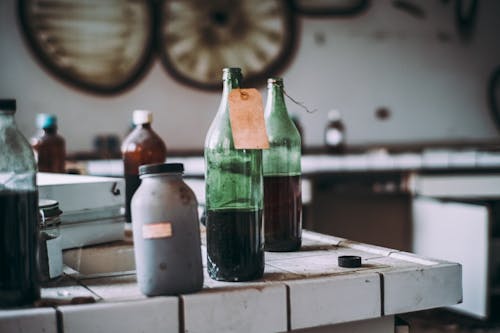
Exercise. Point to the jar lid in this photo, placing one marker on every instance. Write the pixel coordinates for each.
(160, 168)
(8, 104)
(49, 208)
(349, 261)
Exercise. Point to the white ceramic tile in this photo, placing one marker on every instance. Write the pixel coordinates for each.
(28, 320)
(115, 288)
(310, 266)
(64, 294)
(252, 309)
(321, 238)
(373, 249)
(414, 289)
(271, 275)
(322, 265)
(306, 251)
(159, 314)
(335, 299)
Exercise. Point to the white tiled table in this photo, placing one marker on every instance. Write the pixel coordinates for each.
(304, 291)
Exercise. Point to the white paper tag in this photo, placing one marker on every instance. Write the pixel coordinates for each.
(54, 255)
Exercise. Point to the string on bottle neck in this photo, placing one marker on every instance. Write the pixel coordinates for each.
(301, 104)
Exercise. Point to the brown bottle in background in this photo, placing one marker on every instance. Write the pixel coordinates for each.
(335, 141)
(49, 147)
(141, 146)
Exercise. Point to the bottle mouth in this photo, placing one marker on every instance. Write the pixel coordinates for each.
(8, 106)
(275, 81)
(231, 71)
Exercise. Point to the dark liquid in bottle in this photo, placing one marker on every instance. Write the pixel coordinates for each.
(142, 146)
(132, 183)
(235, 245)
(19, 284)
(282, 213)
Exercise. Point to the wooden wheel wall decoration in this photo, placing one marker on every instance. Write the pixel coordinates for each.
(198, 38)
(101, 46)
(105, 46)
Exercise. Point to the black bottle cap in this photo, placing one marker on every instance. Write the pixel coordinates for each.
(350, 261)
(8, 104)
(148, 169)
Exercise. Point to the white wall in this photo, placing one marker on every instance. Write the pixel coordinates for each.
(435, 90)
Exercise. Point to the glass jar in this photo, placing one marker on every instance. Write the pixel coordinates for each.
(19, 281)
(166, 232)
(50, 252)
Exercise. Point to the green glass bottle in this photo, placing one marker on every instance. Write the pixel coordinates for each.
(234, 198)
(282, 175)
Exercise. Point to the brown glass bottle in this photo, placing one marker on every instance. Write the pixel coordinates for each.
(49, 147)
(335, 133)
(141, 146)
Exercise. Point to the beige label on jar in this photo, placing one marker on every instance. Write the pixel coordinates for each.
(157, 230)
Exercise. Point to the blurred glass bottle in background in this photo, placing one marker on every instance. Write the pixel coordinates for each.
(19, 280)
(335, 133)
(234, 198)
(48, 145)
(282, 175)
(141, 146)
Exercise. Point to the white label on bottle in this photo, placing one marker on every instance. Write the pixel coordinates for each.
(54, 255)
(157, 230)
(334, 137)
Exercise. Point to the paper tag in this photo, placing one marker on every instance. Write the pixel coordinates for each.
(54, 256)
(246, 115)
(157, 230)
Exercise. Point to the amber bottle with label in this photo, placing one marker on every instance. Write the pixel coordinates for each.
(141, 146)
(166, 232)
(48, 145)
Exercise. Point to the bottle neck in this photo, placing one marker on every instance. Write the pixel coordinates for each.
(275, 100)
(231, 79)
(50, 130)
(144, 125)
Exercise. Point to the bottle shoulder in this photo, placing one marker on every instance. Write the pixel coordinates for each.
(15, 145)
(143, 138)
(219, 135)
(282, 130)
(48, 139)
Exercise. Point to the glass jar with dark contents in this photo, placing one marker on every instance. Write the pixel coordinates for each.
(50, 251)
